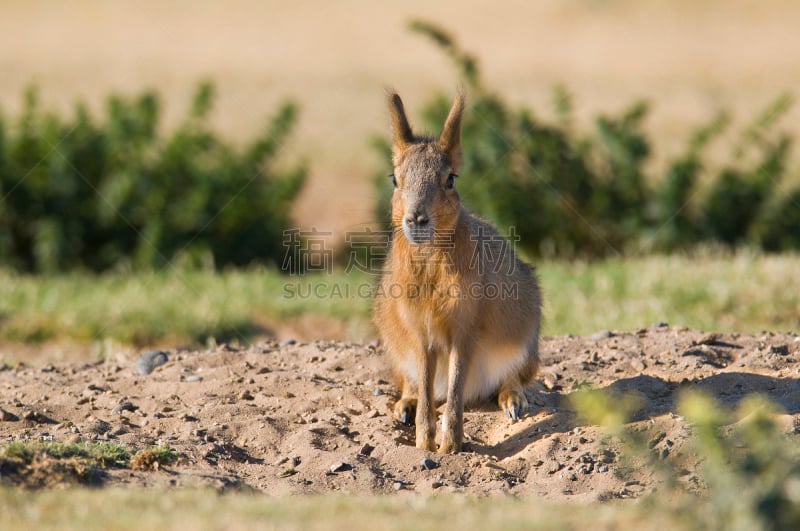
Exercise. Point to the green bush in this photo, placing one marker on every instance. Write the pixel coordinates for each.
(572, 194)
(119, 193)
(748, 476)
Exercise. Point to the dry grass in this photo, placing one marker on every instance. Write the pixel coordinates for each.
(688, 57)
(188, 509)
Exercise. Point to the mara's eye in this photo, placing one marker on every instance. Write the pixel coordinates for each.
(451, 180)
(394, 180)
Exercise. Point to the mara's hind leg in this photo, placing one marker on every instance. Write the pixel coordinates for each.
(406, 408)
(511, 398)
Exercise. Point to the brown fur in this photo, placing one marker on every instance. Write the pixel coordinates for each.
(434, 308)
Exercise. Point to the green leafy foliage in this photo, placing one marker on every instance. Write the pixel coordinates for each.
(570, 194)
(748, 475)
(83, 194)
(751, 469)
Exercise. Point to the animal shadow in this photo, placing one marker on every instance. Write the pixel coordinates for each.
(657, 397)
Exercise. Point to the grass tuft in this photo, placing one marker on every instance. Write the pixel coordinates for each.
(153, 458)
(34, 465)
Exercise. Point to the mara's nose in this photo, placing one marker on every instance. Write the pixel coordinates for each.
(415, 218)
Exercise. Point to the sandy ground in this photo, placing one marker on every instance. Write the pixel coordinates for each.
(315, 417)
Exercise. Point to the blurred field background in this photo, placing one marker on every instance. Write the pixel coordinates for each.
(72, 316)
(689, 58)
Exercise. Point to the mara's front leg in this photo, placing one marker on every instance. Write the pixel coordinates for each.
(453, 418)
(426, 406)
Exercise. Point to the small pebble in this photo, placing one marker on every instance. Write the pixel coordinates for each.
(428, 464)
(340, 467)
(287, 342)
(549, 380)
(7, 416)
(125, 406)
(707, 339)
(194, 378)
(148, 362)
(780, 350)
(246, 395)
(366, 450)
(377, 392)
(34, 416)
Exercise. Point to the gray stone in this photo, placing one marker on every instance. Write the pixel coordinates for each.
(428, 464)
(340, 467)
(148, 362)
(125, 406)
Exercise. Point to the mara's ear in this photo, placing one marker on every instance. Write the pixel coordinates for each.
(402, 137)
(450, 139)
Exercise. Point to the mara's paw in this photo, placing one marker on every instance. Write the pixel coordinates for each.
(513, 402)
(449, 445)
(405, 410)
(427, 444)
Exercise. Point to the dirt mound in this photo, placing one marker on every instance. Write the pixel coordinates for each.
(311, 418)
